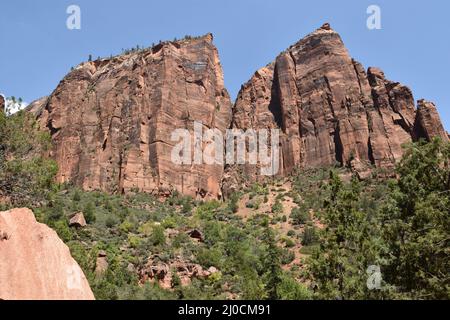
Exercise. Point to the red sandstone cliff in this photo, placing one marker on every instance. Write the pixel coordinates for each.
(330, 110)
(111, 120)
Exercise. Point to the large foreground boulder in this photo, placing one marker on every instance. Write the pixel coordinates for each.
(35, 264)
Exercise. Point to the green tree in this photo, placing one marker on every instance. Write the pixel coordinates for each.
(416, 223)
(89, 213)
(300, 215)
(347, 245)
(272, 264)
(26, 175)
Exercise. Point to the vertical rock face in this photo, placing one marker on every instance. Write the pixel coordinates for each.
(329, 109)
(428, 123)
(35, 264)
(111, 120)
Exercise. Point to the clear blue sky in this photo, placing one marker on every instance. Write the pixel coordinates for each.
(37, 50)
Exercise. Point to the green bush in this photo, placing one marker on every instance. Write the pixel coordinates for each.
(277, 207)
(310, 236)
(89, 213)
(233, 203)
(291, 289)
(157, 237)
(300, 216)
(287, 256)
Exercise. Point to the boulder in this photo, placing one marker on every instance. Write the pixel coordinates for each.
(35, 264)
(78, 221)
(196, 234)
(102, 263)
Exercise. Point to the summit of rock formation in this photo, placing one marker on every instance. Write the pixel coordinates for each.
(428, 123)
(35, 264)
(111, 120)
(330, 110)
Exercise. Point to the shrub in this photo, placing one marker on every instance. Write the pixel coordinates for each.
(277, 207)
(300, 216)
(289, 242)
(157, 237)
(290, 289)
(127, 226)
(89, 213)
(62, 229)
(110, 222)
(287, 256)
(209, 257)
(233, 203)
(310, 236)
(134, 241)
(76, 196)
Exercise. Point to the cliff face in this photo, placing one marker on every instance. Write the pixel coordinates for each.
(111, 120)
(330, 110)
(35, 264)
(428, 123)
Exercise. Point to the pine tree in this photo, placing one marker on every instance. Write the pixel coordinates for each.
(416, 223)
(272, 263)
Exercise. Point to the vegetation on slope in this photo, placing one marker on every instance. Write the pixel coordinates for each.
(313, 235)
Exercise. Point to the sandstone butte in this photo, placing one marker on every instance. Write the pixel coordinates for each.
(35, 264)
(330, 110)
(111, 119)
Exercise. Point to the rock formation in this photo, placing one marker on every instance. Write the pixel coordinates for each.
(428, 123)
(163, 273)
(102, 264)
(35, 264)
(111, 120)
(330, 110)
(78, 220)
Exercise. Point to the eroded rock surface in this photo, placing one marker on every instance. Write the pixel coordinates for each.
(164, 273)
(111, 120)
(35, 264)
(428, 122)
(330, 110)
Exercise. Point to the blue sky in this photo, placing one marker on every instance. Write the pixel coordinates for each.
(37, 50)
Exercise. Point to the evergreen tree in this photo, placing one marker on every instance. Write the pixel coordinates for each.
(416, 223)
(272, 263)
